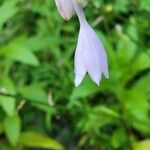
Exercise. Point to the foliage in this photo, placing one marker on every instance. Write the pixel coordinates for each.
(39, 105)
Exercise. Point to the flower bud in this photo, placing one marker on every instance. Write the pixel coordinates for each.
(65, 8)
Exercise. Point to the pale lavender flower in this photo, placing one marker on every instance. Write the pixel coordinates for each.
(90, 56)
(65, 8)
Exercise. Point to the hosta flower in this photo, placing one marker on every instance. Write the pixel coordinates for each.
(65, 8)
(90, 55)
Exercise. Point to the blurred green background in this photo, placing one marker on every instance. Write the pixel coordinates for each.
(39, 106)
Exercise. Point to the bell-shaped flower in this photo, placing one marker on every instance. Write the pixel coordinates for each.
(65, 8)
(90, 55)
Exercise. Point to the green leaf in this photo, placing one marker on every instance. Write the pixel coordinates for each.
(1, 128)
(23, 55)
(142, 145)
(36, 140)
(7, 10)
(5, 146)
(108, 111)
(136, 102)
(17, 51)
(141, 62)
(7, 103)
(33, 93)
(12, 127)
(121, 6)
(132, 31)
(141, 85)
(96, 118)
(144, 5)
(125, 52)
(118, 138)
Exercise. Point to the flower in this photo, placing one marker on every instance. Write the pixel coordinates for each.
(65, 8)
(90, 55)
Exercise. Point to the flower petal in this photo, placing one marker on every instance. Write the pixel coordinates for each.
(80, 68)
(95, 55)
(65, 8)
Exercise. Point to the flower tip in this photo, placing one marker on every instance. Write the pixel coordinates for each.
(96, 77)
(66, 18)
(106, 74)
(78, 79)
(97, 82)
(77, 83)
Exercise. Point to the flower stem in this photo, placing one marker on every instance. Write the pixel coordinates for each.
(79, 12)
